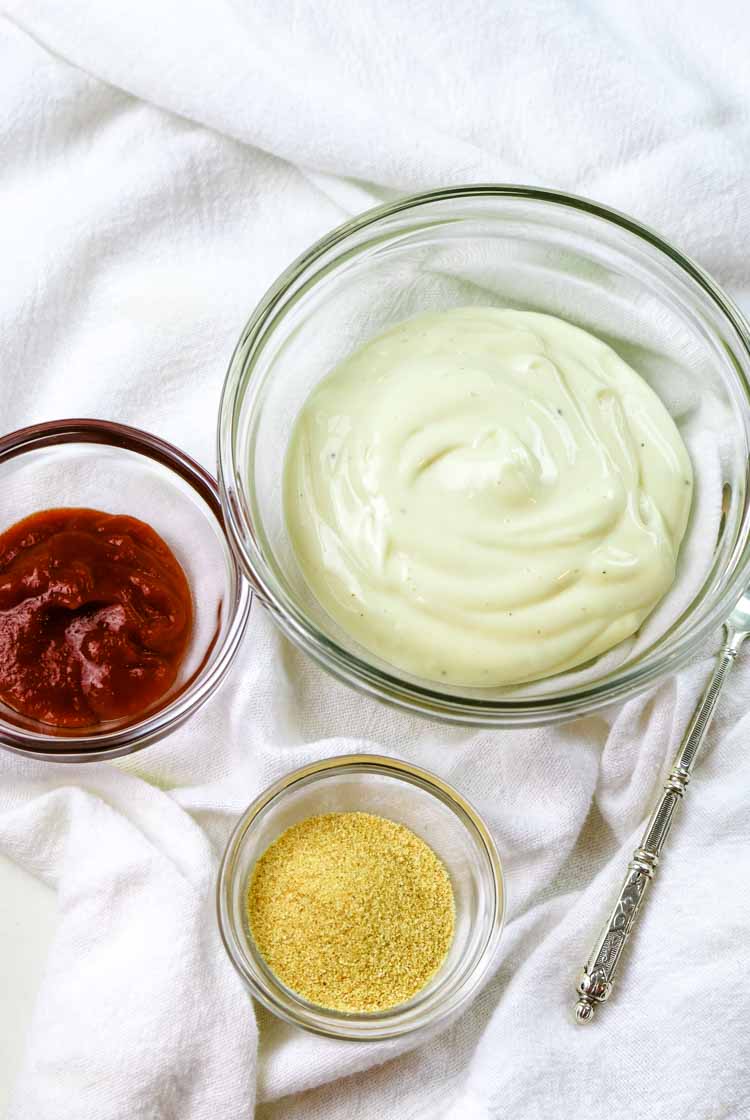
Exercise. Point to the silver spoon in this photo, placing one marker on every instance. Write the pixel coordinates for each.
(595, 983)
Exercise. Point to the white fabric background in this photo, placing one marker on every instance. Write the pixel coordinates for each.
(160, 163)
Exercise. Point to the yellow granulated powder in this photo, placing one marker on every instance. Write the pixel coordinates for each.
(351, 911)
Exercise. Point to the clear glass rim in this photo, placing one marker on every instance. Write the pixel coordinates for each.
(380, 1025)
(423, 699)
(134, 736)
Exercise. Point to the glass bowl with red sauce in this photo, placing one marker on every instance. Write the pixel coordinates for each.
(89, 496)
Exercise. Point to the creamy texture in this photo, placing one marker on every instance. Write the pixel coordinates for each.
(485, 497)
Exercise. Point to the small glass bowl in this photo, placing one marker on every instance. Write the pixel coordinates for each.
(434, 811)
(100, 465)
(504, 246)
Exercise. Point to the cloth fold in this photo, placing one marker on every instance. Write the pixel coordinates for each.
(159, 167)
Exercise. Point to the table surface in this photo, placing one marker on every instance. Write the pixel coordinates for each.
(28, 920)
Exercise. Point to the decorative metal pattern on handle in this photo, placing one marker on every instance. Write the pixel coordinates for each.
(595, 982)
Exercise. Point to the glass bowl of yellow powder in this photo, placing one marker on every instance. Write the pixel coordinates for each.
(361, 897)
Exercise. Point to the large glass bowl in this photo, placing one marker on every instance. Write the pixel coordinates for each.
(100, 465)
(513, 247)
(432, 809)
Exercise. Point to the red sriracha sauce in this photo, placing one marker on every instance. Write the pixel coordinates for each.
(95, 617)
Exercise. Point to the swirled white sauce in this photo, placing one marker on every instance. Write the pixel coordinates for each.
(484, 497)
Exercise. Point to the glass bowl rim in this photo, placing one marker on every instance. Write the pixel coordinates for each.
(380, 1025)
(389, 686)
(141, 733)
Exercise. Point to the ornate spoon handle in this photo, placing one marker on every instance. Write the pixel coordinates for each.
(595, 983)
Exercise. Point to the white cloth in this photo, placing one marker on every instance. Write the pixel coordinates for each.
(160, 163)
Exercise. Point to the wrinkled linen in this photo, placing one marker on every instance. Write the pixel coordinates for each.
(160, 164)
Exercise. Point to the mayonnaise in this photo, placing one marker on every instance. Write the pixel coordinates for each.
(484, 497)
